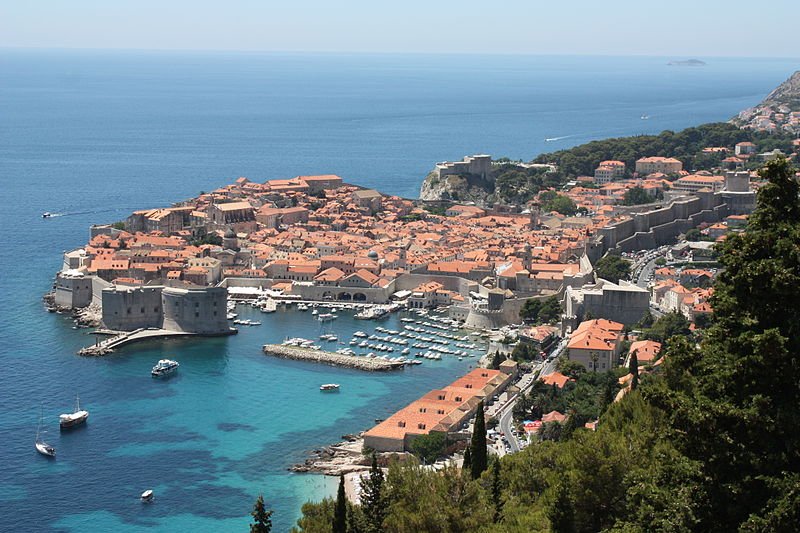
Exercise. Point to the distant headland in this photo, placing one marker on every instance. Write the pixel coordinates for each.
(687, 63)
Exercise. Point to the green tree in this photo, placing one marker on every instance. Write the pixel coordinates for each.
(634, 369)
(496, 360)
(552, 201)
(262, 519)
(340, 511)
(560, 512)
(429, 447)
(637, 196)
(479, 453)
(496, 490)
(667, 326)
(467, 464)
(373, 499)
(612, 268)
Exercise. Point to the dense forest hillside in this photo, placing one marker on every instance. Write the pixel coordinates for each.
(513, 184)
(709, 442)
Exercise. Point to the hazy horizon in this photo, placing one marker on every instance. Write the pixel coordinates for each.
(681, 29)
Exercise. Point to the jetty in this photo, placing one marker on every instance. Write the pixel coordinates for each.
(329, 358)
(121, 338)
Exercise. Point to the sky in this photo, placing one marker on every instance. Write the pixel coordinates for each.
(674, 28)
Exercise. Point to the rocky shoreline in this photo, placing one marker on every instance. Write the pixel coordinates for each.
(88, 317)
(346, 457)
(342, 458)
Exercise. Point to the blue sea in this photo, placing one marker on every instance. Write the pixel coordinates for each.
(92, 135)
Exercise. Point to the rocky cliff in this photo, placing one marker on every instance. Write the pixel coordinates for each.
(457, 187)
(787, 93)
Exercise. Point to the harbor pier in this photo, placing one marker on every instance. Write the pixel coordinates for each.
(329, 358)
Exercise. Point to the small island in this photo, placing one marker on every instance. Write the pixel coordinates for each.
(687, 63)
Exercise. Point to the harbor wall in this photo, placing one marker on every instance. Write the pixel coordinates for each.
(330, 358)
(201, 310)
(129, 308)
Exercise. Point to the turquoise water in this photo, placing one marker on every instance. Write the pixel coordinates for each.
(95, 135)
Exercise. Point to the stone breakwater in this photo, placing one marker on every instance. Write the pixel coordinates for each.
(329, 358)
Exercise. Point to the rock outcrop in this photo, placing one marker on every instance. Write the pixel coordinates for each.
(457, 188)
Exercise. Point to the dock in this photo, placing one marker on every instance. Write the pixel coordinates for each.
(121, 338)
(369, 364)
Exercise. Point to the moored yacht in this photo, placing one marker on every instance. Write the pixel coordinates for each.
(41, 446)
(330, 387)
(75, 418)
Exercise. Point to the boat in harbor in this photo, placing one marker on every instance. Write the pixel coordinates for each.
(147, 496)
(269, 306)
(75, 418)
(164, 367)
(41, 446)
(326, 317)
(329, 387)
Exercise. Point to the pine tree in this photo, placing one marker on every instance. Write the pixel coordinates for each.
(560, 513)
(261, 517)
(497, 502)
(373, 500)
(479, 454)
(467, 466)
(340, 511)
(634, 368)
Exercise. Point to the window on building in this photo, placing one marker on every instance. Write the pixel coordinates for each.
(129, 310)
(420, 426)
(401, 424)
(440, 411)
(423, 410)
(197, 315)
(215, 313)
(458, 398)
(142, 311)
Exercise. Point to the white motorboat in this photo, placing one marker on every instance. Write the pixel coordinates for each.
(326, 317)
(329, 387)
(147, 496)
(75, 418)
(164, 367)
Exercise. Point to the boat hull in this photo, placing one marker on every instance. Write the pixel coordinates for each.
(69, 423)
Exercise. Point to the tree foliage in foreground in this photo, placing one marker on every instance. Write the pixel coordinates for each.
(708, 443)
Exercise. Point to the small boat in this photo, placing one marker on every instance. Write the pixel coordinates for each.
(77, 417)
(314, 312)
(329, 387)
(164, 367)
(41, 446)
(147, 496)
(47, 214)
(326, 317)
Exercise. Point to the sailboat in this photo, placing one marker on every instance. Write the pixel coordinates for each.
(70, 420)
(41, 446)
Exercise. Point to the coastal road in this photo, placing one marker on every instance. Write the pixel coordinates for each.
(506, 420)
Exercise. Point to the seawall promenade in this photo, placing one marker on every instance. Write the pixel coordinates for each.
(329, 358)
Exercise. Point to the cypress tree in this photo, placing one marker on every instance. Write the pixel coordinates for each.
(496, 489)
(261, 517)
(340, 511)
(373, 501)
(634, 368)
(479, 455)
(467, 466)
